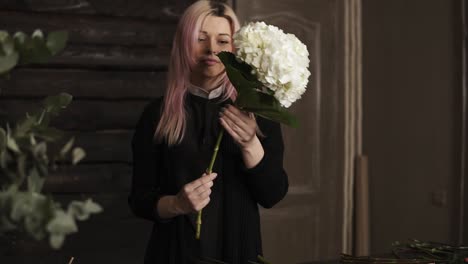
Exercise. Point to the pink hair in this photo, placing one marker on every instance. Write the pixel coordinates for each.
(172, 125)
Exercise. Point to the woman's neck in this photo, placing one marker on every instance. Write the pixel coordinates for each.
(206, 84)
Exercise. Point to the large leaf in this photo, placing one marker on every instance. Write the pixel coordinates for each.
(239, 73)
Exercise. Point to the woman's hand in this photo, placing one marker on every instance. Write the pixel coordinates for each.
(243, 129)
(240, 125)
(195, 195)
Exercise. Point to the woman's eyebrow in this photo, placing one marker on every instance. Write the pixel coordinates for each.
(220, 34)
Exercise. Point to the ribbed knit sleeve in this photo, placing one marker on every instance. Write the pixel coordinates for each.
(268, 181)
(145, 189)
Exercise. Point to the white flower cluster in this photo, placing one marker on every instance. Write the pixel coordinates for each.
(279, 60)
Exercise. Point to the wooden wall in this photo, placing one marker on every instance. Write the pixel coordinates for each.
(114, 64)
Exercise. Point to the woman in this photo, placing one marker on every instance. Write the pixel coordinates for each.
(173, 144)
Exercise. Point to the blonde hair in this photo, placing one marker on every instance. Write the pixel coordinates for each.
(172, 123)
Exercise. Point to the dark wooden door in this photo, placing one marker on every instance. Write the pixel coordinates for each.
(309, 223)
(114, 64)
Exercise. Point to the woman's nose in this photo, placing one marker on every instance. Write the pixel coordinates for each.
(211, 47)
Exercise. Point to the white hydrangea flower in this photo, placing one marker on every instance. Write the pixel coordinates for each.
(279, 60)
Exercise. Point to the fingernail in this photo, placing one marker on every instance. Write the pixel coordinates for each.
(220, 113)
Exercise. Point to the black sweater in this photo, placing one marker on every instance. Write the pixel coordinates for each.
(231, 224)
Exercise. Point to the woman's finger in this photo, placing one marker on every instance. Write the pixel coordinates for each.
(190, 187)
(202, 204)
(203, 188)
(233, 118)
(231, 132)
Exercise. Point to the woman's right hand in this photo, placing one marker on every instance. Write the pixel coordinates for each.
(195, 195)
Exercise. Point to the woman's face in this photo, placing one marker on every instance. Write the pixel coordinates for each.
(214, 36)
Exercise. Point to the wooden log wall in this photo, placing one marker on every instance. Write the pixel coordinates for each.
(114, 63)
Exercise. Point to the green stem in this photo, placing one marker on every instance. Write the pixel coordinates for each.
(208, 171)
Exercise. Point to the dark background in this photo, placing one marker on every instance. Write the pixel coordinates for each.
(414, 99)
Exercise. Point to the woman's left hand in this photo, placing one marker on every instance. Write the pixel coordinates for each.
(239, 124)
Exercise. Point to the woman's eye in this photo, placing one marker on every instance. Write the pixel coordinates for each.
(224, 42)
(201, 39)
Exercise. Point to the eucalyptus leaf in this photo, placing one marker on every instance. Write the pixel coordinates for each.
(62, 223)
(77, 155)
(35, 182)
(8, 61)
(6, 225)
(82, 210)
(32, 139)
(3, 140)
(8, 46)
(3, 35)
(48, 133)
(20, 38)
(22, 205)
(25, 126)
(38, 34)
(54, 104)
(56, 41)
(67, 147)
(21, 166)
(11, 144)
(40, 151)
(56, 240)
(32, 50)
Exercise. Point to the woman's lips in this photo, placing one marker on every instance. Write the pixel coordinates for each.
(210, 62)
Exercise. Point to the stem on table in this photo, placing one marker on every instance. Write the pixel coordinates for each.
(208, 171)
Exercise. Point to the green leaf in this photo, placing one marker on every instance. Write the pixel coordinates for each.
(40, 151)
(49, 134)
(56, 240)
(38, 34)
(3, 35)
(228, 58)
(21, 166)
(82, 210)
(67, 147)
(239, 73)
(6, 225)
(32, 139)
(35, 182)
(77, 155)
(61, 224)
(24, 126)
(33, 50)
(11, 144)
(3, 140)
(8, 45)
(20, 38)
(56, 41)
(267, 106)
(54, 104)
(7, 62)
